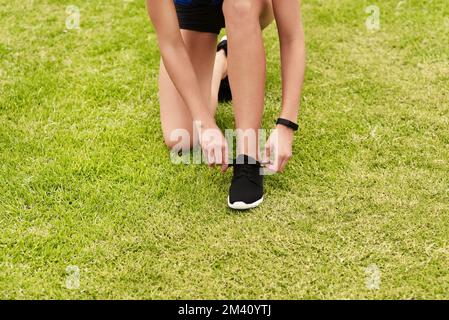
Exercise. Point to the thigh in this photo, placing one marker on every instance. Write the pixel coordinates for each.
(174, 113)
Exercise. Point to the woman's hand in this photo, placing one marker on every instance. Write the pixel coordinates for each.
(279, 148)
(214, 145)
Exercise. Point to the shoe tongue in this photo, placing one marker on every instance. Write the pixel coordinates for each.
(244, 159)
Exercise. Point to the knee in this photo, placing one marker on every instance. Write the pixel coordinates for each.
(241, 13)
(174, 145)
(178, 140)
(177, 145)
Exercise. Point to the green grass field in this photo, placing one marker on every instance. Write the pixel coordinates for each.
(86, 181)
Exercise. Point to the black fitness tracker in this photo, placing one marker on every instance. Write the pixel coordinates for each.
(288, 124)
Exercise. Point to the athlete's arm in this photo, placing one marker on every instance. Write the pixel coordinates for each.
(175, 57)
(293, 55)
(180, 69)
(293, 62)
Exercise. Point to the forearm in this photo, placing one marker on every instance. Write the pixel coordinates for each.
(176, 59)
(293, 57)
(180, 70)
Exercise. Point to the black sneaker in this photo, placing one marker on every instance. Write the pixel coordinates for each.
(246, 191)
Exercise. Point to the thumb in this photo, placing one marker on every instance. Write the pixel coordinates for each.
(224, 164)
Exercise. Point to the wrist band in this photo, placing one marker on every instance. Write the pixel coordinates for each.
(288, 124)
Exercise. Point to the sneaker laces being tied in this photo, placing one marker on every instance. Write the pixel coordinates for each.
(246, 170)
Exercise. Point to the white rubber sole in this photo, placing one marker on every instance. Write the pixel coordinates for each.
(240, 205)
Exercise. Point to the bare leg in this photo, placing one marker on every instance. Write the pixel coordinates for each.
(247, 67)
(175, 115)
(220, 72)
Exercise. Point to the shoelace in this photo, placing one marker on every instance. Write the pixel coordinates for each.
(249, 171)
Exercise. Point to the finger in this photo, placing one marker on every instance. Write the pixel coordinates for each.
(284, 161)
(224, 163)
(206, 155)
(273, 166)
(211, 157)
(224, 167)
(218, 154)
(267, 155)
(282, 164)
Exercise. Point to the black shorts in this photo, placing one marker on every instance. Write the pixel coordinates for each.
(200, 15)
